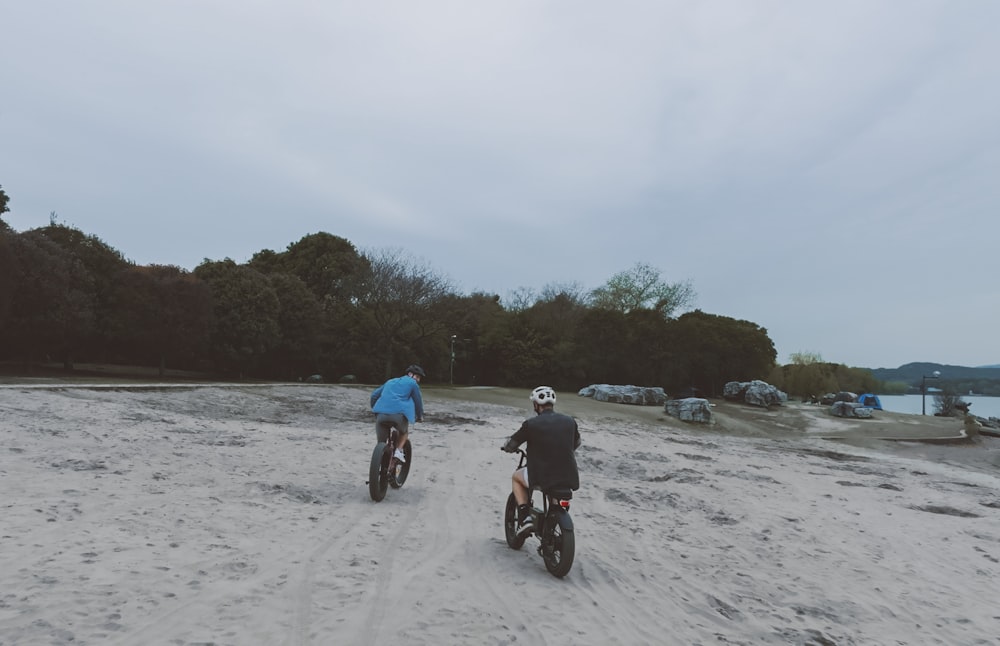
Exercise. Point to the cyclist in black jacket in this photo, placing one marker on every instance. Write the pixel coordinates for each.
(552, 440)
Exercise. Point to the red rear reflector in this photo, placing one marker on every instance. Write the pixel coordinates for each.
(564, 504)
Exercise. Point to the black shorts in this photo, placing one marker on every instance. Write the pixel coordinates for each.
(384, 423)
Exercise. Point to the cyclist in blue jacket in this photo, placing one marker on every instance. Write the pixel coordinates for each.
(398, 403)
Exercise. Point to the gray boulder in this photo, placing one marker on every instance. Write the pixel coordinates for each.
(755, 393)
(734, 390)
(640, 395)
(850, 409)
(689, 409)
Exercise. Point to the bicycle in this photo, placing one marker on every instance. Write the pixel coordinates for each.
(553, 526)
(385, 470)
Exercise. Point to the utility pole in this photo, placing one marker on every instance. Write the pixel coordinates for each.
(923, 389)
(451, 370)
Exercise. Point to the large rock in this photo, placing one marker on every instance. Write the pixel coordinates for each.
(850, 409)
(689, 409)
(641, 395)
(755, 393)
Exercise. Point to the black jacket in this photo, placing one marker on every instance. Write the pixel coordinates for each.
(552, 440)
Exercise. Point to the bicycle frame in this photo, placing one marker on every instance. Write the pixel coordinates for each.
(393, 462)
(552, 523)
(550, 499)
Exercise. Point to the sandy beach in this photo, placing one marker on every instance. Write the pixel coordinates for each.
(235, 515)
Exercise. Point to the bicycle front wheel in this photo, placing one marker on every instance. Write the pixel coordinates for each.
(510, 524)
(378, 472)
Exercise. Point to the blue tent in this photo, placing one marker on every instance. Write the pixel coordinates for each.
(869, 400)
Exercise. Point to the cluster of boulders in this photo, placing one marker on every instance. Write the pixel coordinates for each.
(640, 395)
(984, 425)
(849, 409)
(843, 396)
(688, 409)
(846, 404)
(756, 393)
(989, 422)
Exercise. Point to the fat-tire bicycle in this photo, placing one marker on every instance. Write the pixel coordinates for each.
(385, 470)
(553, 526)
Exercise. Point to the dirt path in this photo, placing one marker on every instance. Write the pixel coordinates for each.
(240, 515)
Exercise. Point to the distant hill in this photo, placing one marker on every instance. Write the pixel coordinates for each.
(912, 373)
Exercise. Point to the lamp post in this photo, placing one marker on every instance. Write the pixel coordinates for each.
(923, 390)
(451, 370)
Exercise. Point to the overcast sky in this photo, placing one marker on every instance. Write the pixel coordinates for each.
(827, 170)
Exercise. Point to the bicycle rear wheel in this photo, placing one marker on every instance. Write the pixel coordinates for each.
(378, 472)
(558, 543)
(403, 470)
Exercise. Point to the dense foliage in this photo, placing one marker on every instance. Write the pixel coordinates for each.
(320, 306)
(3, 208)
(817, 378)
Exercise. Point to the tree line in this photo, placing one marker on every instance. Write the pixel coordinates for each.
(808, 376)
(322, 307)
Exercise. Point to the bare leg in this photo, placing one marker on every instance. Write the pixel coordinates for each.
(519, 487)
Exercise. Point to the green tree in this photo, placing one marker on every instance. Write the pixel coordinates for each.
(604, 347)
(6, 275)
(711, 350)
(300, 321)
(51, 301)
(642, 287)
(4, 200)
(805, 358)
(553, 320)
(245, 314)
(815, 379)
(807, 376)
(468, 319)
(396, 297)
(330, 267)
(103, 264)
(519, 299)
(324, 262)
(517, 353)
(650, 351)
(163, 316)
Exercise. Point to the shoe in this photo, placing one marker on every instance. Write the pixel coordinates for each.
(526, 527)
(399, 455)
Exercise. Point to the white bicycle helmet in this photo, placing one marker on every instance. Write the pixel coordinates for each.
(543, 395)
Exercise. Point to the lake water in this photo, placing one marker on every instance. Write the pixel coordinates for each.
(980, 405)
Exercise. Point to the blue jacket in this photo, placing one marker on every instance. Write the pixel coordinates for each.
(399, 395)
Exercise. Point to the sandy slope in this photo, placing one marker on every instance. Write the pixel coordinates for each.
(240, 515)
